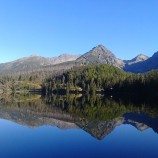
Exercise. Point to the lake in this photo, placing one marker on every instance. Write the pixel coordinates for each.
(77, 126)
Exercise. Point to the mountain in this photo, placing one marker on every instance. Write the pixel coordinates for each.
(63, 58)
(34, 62)
(97, 55)
(139, 58)
(143, 66)
(34, 119)
(100, 129)
(100, 55)
(31, 111)
(35, 113)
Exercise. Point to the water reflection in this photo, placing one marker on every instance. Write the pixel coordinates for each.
(98, 115)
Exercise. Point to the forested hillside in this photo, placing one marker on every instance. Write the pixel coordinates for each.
(84, 79)
(102, 78)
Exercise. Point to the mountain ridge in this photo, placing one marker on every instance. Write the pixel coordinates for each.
(138, 58)
(100, 55)
(144, 66)
(97, 55)
(34, 62)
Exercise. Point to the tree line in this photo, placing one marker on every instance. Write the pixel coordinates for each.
(85, 79)
(102, 78)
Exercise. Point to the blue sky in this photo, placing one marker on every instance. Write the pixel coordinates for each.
(52, 27)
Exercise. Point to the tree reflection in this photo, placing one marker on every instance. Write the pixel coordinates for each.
(96, 114)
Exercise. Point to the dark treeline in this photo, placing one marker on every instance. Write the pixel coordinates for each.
(96, 114)
(86, 79)
(102, 78)
(88, 107)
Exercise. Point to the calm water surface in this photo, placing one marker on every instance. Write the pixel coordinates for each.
(48, 128)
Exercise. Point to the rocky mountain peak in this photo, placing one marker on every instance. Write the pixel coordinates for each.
(100, 46)
(34, 62)
(97, 55)
(139, 66)
(100, 55)
(141, 57)
(100, 49)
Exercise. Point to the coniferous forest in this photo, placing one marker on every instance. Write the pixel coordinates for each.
(102, 79)
(89, 79)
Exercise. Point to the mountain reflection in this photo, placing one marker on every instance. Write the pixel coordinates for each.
(98, 115)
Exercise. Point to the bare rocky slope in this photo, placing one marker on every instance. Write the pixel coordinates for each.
(98, 129)
(98, 55)
(143, 66)
(35, 62)
(137, 59)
